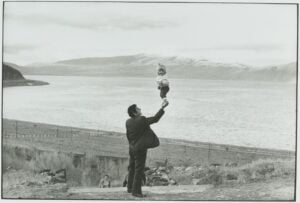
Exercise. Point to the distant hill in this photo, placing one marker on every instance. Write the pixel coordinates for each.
(142, 65)
(13, 77)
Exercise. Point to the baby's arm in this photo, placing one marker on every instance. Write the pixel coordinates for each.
(158, 82)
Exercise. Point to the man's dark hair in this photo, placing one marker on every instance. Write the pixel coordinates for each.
(131, 110)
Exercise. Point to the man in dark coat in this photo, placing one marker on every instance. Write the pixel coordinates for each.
(136, 126)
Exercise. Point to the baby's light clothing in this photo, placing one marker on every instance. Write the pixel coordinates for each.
(161, 78)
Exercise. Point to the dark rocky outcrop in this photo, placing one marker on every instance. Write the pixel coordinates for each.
(11, 76)
(10, 73)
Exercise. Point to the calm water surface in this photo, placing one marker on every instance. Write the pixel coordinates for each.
(229, 112)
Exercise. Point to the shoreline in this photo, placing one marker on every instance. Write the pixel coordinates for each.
(175, 78)
(26, 82)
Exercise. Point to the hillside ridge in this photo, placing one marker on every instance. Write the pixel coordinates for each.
(142, 65)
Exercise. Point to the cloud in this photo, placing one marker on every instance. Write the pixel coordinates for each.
(17, 48)
(135, 23)
(240, 47)
(93, 22)
(224, 32)
(253, 47)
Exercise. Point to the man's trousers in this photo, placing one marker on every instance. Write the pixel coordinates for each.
(137, 162)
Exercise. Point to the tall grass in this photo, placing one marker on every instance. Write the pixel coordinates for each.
(55, 161)
(258, 170)
(90, 171)
(52, 161)
(33, 161)
(262, 169)
(15, 158)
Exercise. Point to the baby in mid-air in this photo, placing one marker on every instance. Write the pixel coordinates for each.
(162, 82)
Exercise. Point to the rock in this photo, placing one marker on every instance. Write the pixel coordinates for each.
(179, 168)
(164, 176)
(231, 164)
(215, 164)
(47, 172)
(161, 168)
(242, 178)
(261, 193)
(158, 176)
(189, 168)
(216, 179)
(172, 182)
(203, 181)
(266, 168)
(195, 181)
(268, 175)
(253, 175)
(219, 196)
(149, 172)
(30, 183)
(231, 177)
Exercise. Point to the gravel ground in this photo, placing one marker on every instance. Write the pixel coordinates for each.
(276, 189)
(20, 185)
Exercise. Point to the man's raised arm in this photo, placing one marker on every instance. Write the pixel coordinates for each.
(158, 115)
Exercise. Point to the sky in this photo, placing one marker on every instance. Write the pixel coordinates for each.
(251, 34)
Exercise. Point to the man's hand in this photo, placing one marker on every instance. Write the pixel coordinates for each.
(164, 104)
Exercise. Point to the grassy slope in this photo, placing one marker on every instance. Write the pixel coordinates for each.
(90, 140)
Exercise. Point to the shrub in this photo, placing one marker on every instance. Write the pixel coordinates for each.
(180, 177)
(14, 158)
(255, 171)
(261, 169)
(52, 161)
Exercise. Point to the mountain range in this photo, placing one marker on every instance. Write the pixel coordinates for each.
(142, 65)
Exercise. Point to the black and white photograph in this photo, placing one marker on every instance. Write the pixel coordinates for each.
(149, 100)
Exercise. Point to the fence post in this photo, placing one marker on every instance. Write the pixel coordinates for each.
(16, 129)
(71, 133)
(208, 155)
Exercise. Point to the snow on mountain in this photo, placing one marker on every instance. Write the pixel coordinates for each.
(144, 65)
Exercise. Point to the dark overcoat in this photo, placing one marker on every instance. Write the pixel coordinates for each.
(138, 126)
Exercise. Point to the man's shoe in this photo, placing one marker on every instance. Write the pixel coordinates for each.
(138, 195)
(129, 190)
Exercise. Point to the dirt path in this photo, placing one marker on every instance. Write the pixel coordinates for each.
(25, 185)
(278, 189)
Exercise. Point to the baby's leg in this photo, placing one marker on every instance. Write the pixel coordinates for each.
(167, 89)
(163, 93)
